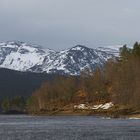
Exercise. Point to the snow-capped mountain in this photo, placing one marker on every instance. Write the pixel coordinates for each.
(21, 56)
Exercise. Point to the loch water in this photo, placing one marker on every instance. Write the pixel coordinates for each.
(22, 127)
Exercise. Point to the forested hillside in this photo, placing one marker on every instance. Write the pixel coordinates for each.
(14, 83)
(118, 83)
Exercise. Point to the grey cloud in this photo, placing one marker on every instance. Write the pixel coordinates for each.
(60, 24)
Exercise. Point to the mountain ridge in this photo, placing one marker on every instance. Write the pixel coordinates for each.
(24, 57)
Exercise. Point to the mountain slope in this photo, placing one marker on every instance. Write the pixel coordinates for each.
(21, 56)
(16, 83)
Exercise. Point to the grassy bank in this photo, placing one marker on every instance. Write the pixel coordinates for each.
(113, 112)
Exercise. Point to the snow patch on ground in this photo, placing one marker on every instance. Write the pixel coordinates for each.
(134, 118)
(94, 107)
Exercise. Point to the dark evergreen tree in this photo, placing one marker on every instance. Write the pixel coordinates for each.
(136, 49)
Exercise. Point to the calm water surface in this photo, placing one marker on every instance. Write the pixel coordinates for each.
(67, 128)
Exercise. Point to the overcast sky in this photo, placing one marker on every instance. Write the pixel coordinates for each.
(59, 24)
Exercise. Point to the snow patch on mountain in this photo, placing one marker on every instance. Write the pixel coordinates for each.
(22, 56)
(111, 49)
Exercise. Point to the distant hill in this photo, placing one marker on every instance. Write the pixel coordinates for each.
(14, 83)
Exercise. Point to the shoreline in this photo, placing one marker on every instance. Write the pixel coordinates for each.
(100, 115)
(88, 113)
(116, 111)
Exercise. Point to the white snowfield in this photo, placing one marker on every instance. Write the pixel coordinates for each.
(94, 107)
(21, 56)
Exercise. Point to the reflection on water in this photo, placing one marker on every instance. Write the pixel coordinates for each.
(67, 128)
